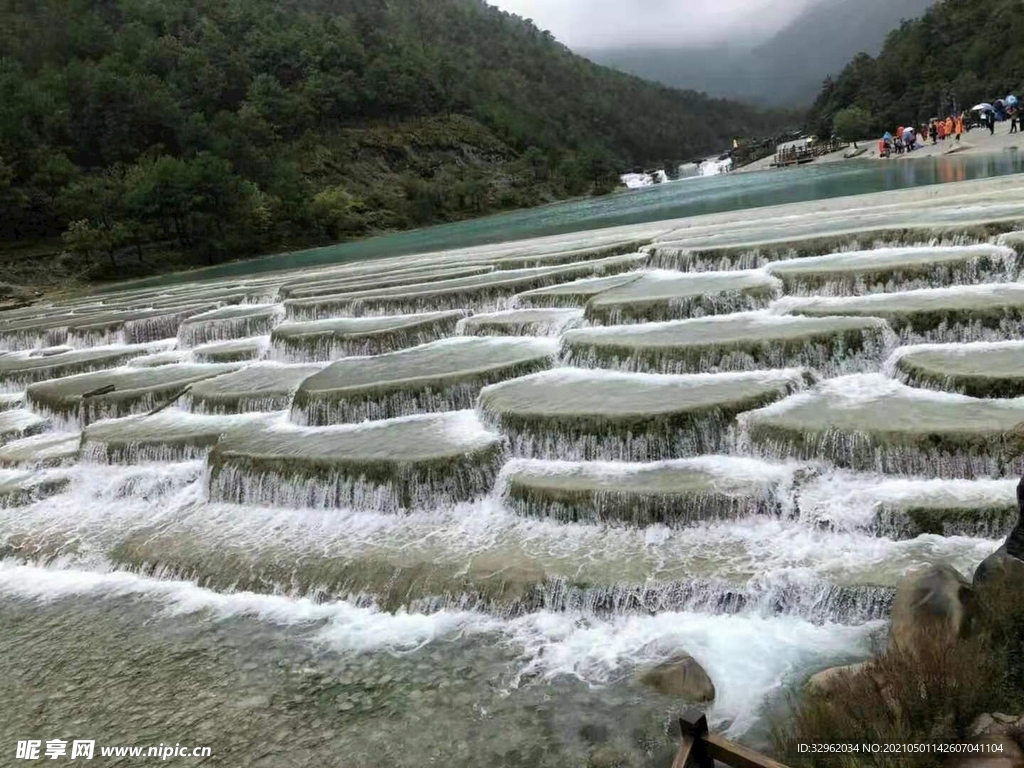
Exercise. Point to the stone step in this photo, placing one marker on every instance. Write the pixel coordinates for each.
(325, 340)
(136, 390)
(20, 488)
(736, 244)
(521, 322)
(236, 351)
(18, 422)
(132, 327)
(962, 313)
(259, 387)
(445, 375)
(229, 323)
(413, 462)
(884, 270)
(572, 295)
(579, 414)
(169, 436)
(982, 369)
(869, 422)
(676, 492)
(742, 341)
(664, 295)
(306, 289)
(96, 326)
(515, 571)
(49, 449)
(481, 293)
(19, 370)
(906, 508)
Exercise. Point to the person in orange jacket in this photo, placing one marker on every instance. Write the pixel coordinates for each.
(959, 126)
(949, 126)
(942, 130)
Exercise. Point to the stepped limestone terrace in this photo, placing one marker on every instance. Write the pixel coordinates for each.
(450, 504)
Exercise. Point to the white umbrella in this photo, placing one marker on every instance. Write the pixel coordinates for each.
(983, 107)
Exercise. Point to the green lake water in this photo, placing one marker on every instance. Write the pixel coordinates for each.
(692, 197)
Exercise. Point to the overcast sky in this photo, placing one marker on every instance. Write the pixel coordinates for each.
(663, 23)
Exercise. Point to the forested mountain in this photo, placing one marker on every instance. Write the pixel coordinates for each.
(962, 50)
(134, 130)
(787, 68)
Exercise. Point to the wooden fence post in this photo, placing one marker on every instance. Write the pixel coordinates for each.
(700, 749)
(693, 752)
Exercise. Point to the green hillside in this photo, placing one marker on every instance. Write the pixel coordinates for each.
(141, 135)
(962, 50)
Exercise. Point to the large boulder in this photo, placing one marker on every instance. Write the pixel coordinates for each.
(680, 676)
(998, 566)
(933, 603)
(1007, 562)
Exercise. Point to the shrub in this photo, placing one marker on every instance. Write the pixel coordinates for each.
(931, 696)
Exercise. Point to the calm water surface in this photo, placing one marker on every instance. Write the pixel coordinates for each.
(693, 197)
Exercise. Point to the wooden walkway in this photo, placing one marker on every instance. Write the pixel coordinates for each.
(700, 749)
(802, 155)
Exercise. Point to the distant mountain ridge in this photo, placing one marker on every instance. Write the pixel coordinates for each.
(788, 68)
(959, 53)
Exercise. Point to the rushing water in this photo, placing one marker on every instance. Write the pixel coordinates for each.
(690, 197)
(430, 588)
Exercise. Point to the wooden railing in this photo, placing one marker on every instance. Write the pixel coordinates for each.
(700, 749)
(799, 155)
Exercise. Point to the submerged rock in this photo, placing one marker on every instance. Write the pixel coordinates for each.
(609, 756)
(680, 676)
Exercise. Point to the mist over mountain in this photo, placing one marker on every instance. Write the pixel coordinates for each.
(786, 69)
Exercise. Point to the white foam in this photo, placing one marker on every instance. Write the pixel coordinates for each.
(343, 625)
(739, 467)
(1013, 291)
(886, 255)
(856, 390)
(958, 348)
(849, 500)
(571, 375)
(747, 658)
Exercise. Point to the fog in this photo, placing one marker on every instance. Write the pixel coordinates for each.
(588, 24)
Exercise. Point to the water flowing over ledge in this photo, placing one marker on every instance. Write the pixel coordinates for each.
(524, 470)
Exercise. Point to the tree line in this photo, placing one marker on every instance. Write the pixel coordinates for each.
(959, 53)
(133, 132)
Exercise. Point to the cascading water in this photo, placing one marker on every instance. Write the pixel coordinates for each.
(324, 554)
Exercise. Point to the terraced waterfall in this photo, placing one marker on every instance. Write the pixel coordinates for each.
(444, 508)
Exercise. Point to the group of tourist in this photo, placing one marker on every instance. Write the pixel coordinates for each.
(907, 138)
(940, 130)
